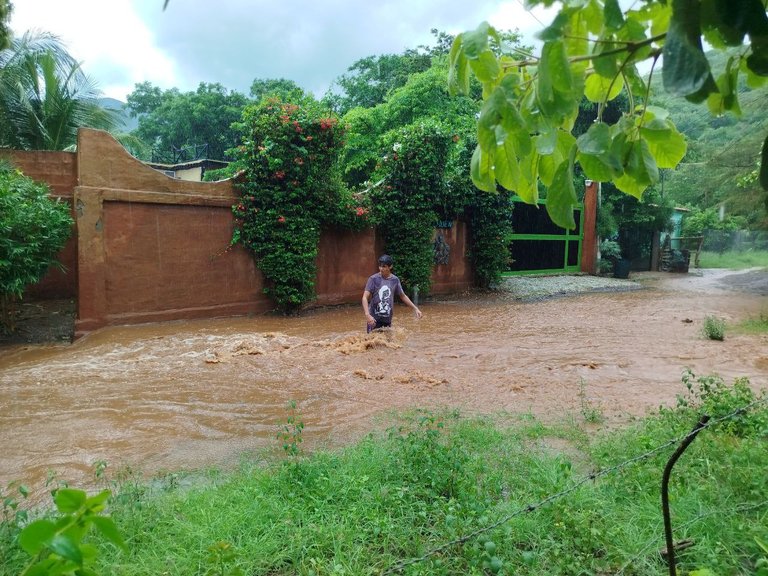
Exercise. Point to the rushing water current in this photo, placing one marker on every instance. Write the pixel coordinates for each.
(186, 395)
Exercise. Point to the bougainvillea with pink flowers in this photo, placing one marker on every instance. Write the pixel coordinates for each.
(290, 189)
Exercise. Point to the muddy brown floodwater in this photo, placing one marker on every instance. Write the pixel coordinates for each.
(187, 395)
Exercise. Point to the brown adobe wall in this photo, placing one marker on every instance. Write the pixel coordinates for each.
(59, 171)
(457, 275)
(152, 248)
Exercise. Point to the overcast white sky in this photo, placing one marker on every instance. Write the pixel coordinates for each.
(123, 42)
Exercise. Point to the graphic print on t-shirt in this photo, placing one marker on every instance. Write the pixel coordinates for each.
(384, 306)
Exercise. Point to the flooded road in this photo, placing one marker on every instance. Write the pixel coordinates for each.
(187, 395)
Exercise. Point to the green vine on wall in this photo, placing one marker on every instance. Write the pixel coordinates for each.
(425, 179)
(413, 174)
(290, 189)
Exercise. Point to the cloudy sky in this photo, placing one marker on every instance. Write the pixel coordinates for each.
(123, 42)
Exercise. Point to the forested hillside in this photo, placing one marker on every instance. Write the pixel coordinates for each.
(719, 168)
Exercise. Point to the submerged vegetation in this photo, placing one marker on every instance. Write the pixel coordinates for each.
(443, 494)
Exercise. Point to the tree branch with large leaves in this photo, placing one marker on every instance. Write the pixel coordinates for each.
(592, 49)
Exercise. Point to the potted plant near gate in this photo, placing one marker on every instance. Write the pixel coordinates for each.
(611, 260)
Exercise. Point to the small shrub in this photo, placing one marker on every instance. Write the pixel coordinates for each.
(711, 395)
(34, 228)
(610, 252)
(714, 328)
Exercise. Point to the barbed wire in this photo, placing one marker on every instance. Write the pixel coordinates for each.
(399, 566)
(655, 540)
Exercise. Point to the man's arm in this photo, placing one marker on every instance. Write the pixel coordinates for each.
(368, 318)
(404, 298)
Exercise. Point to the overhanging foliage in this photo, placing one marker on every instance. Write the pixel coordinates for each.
(592, 48)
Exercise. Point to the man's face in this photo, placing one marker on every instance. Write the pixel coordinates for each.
(385, 269)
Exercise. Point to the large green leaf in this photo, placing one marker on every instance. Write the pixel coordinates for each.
(601, 89)
(686, 69)
(490, 119)
(476, 41)
(108, 529)
(744, 16)
(527, 187)
(561, 196)
(605, 65)
(592, 16)
(549, 162)
(614, 18)
(596, 140)
(458, 74)
(640, 169)
(66, 548)
(718, 31)
(603, 168)
(727, 98)
(481, 170)
(36, 536)
(555, 30)
(546, 141)
(507, 168)
(69, 500)
(485, 67)
(668, 147)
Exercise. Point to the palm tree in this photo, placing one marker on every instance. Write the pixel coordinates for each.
(45, 96)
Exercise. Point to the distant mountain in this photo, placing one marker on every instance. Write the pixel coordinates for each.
(128, 123)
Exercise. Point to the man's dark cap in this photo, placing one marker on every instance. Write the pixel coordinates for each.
(385, 259)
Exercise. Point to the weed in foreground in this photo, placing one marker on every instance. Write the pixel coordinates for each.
(291, 433)
(591, 411)
(714, 328)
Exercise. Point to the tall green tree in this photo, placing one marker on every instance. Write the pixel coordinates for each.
(280, 88)
(424, 96)
(369, 80)
(170, 119)
(45, 96)
(592, 49)
(5, 18)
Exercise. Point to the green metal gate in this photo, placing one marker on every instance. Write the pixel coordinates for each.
(541, 247)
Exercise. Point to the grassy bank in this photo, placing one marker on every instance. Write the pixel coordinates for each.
(442, 494)
(734, 260)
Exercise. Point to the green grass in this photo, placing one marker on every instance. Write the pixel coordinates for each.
(755, 325)
(462, 495)
(734, 260)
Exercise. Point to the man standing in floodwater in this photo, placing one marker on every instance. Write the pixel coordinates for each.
(378, 297)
